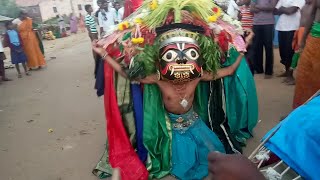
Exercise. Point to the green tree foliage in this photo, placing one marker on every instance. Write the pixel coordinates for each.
(9, 8)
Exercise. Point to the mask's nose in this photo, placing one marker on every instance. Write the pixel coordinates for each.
(181, 58)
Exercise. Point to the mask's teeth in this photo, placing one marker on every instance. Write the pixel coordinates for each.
(172, 71)
(191, 70)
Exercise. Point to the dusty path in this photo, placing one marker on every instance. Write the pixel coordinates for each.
(61, 97)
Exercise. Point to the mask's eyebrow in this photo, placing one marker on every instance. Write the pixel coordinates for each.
(174, 46)
(171, 46)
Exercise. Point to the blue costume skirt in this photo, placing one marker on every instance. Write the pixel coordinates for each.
(192, 141)
(17, 55)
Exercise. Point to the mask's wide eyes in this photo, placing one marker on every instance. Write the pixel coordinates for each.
(170, 56)
(192, 54)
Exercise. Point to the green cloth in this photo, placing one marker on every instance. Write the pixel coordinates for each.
(125, 103)
(103, 169)
(218, 122)
(156, 137)
(315, 30)
(241, 99)
(40, 42)
(295, 60)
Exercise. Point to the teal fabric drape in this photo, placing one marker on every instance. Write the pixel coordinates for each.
(241, 99)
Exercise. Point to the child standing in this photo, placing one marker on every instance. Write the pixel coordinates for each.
(246, 18)
(298, 35)
(14, 41)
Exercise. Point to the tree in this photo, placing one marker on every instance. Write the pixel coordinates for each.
(9, 8)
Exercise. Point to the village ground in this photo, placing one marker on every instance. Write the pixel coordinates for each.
(61, 98)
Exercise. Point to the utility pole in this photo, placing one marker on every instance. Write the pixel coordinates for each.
(71, 4)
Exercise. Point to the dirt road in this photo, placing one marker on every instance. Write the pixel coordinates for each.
(61, 97)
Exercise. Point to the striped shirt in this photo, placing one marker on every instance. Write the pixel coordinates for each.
(91, 23)
(246, 17)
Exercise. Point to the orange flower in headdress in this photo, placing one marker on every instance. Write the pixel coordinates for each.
(215, 9)
(216, 14)
(124, 25)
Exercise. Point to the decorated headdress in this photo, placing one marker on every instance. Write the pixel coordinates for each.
(159, 23)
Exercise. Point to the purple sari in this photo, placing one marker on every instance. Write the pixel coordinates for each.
(73, 24)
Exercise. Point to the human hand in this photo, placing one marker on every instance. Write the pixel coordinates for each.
(255, 9)
(249, 36)
(302, 45)
(281, 10)
(257, 6)
(232, 167)
(98, 49)
(116, 174)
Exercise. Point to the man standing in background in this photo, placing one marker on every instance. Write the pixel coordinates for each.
(106, 18)
(93, 33)
(61, 23)
(99, 3)
(119, 12)
(263, 28)
(91, 23)
(288, 23)
(246, 19)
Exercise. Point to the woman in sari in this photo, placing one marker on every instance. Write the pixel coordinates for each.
(81, 23)
(73, 23)
(31, 43)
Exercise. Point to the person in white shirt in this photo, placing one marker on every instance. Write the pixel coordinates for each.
(288, 23)
(119, 12)
(106, 18)
(230, 7)
(233, 9)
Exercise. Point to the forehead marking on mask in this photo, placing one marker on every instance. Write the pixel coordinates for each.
(181, 46)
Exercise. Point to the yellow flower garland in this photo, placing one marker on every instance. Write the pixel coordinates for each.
(139, 40)
(153, 5)
(138, 21)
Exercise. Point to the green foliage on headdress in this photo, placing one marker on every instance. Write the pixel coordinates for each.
(157, 17)
(210, 52)
(124, 38)
(148, 57)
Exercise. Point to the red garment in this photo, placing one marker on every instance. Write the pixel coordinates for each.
(121, 153)
(130, 6)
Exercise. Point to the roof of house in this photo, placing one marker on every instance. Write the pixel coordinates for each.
(26, 3)
(4, 18)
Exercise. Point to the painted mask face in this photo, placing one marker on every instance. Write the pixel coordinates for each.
(180, 61)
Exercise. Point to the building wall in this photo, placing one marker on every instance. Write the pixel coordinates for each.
(63, 7)
(34, 12)
(47, 12)
(81, 3)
